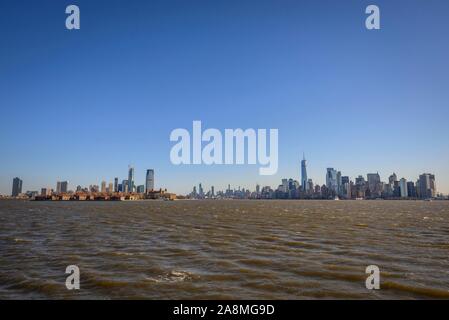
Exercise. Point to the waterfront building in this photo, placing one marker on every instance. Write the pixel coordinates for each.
(325, 192)
(427, 187)
(403, 188)
(392, 179)
(309, 186)
(116, 185)
(331, 181)
(141, 189)
(16, 186)
(339, 184)
(374, 184)
(149, 180)
(130, 179)
(411, 190)
(103, 186)
(284, 186)
(32, 194)
(360, 187)
(125, 186)
(62, 186)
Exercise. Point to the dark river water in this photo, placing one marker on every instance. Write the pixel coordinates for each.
(224, 249)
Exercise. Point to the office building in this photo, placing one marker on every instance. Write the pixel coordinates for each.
(141, 189)
(16, 187)
(62, 186)
(130, 179)
(427, 188)
(374, 184)
(403, 187)
(149, 181)
(331, 180)
(411, 190)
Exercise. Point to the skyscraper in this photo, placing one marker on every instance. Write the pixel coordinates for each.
(62, 186)
(284, 185)
(200, 191)
(392, 179)
(16, 187)
(331, 179)
(404, 189)
(149, 181)
(427, 187)
(304, 184)
(339, 183)
(125, 186)
(115, 184)
(130, 179)
(374, 184)
(411, 190)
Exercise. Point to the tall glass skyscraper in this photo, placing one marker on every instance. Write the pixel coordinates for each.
(331, 179)
(149, 181)
(304, 184)
(130, 179)
(16, 187)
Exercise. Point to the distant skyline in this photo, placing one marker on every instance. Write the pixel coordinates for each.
(82, 105)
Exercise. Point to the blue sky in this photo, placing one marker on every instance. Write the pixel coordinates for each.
(82, 105)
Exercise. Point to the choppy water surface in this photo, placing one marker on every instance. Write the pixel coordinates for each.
(224, 249)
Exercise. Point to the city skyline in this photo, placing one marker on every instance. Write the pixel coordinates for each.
(83, 104)
(336, 185)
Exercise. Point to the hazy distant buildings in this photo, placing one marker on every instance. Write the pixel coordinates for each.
(116, 184)
(16, 187)
(45, 192)
(149, 180)
(103, 186)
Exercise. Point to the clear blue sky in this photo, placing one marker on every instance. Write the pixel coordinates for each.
(82, 105)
